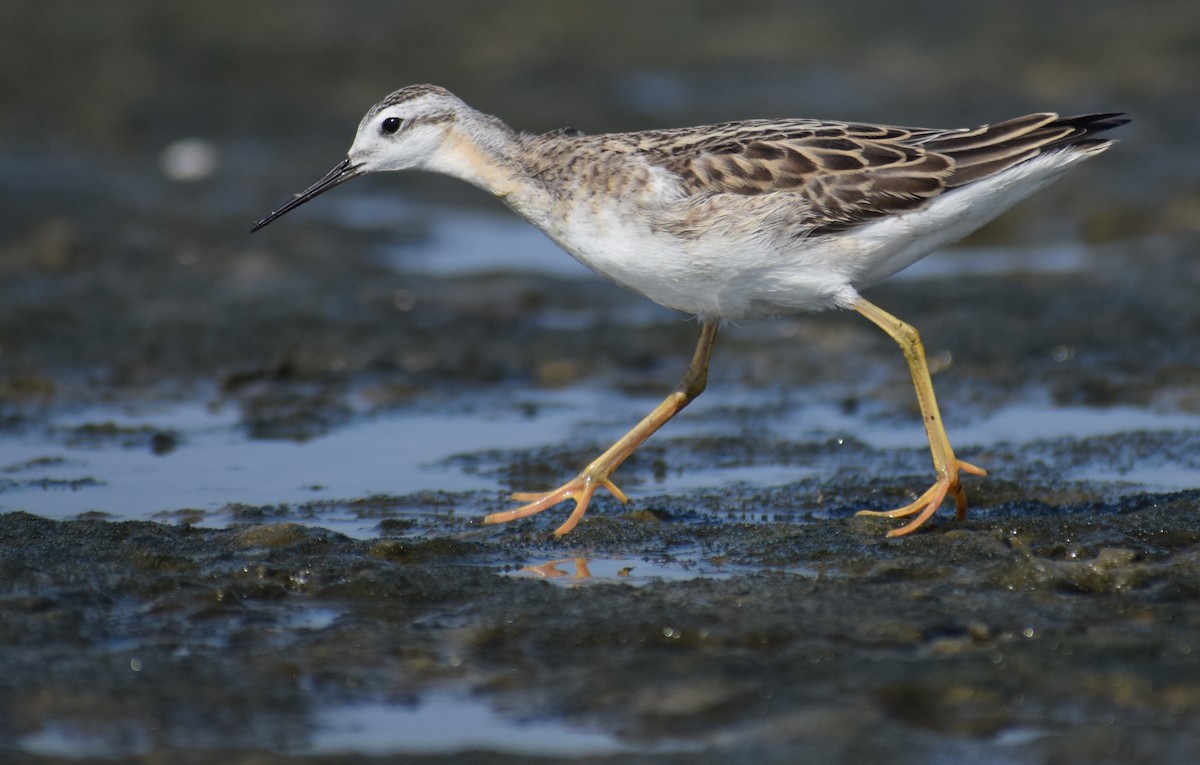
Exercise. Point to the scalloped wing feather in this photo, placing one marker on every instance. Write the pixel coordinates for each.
(849, 174)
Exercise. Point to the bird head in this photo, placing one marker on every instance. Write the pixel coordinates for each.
(402, 132)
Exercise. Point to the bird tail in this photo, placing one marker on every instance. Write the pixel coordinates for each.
(984, 151)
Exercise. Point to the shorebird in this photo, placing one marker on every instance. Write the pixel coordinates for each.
(733, 221)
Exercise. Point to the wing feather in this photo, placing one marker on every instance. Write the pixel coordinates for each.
(847, 174)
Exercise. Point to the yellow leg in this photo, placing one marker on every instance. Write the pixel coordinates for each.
(944, 461)
(580, 488)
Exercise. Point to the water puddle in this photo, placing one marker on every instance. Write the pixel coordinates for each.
(58, 473)
(59, 740)
(1060, 258)
(108, 459)
(472, 243)
(444, 724)
(637, 572)
(439, 724)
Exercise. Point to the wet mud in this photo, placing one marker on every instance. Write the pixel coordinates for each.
(1034, 630)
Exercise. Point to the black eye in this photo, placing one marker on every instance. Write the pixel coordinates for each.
(391, 125)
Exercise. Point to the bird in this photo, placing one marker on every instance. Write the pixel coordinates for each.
(734, 221)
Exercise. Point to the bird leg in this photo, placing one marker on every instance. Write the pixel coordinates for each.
(596, 475)
(945, 463)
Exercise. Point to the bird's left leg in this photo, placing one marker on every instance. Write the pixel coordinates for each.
(945, 463)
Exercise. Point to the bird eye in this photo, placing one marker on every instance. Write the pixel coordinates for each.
(391, 125)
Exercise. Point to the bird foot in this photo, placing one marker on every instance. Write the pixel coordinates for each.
(928, 503)
(579, 490)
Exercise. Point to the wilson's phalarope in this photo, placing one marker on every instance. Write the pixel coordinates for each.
(733, 221)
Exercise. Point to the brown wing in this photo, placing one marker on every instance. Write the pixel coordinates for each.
(987, 150)
(850, 174)
(846, 174)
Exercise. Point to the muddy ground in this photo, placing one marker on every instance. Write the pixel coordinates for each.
(1056, 624)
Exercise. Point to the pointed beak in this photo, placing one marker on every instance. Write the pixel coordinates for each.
(343, 172)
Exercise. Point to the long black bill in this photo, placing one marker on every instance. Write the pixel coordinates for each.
(343, 172)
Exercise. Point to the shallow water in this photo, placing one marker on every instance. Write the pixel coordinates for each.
(213, 463)
(441, 724)
(102, 459)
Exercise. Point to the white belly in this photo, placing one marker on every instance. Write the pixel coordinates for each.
(730, 269)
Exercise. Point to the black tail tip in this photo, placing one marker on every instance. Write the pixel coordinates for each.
(1099, 122)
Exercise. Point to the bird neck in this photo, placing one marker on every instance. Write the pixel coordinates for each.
(486, 153)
